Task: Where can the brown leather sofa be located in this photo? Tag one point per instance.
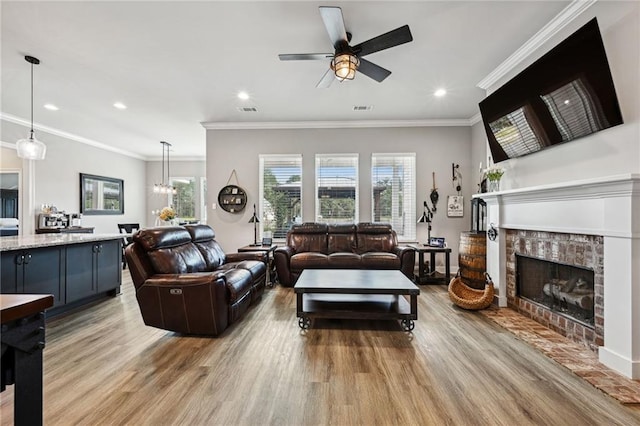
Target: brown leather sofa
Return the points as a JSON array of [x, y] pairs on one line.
[[186, 283], [341, 246]]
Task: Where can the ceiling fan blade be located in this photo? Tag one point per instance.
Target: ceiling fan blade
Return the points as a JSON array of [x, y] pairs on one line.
[[373, 71], [333, 21], [392, 38], [304, 56], [326, 79]]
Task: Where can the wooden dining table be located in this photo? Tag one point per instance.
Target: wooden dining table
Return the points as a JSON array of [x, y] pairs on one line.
[[22, 321]]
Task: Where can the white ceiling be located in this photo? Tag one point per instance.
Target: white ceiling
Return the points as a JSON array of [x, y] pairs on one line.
[[178, 64]]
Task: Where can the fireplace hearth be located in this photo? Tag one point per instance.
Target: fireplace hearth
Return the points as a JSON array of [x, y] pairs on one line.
[[590, 223], [564, 289]]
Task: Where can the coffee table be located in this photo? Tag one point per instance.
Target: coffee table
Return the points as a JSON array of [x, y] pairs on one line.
[[356, 294]]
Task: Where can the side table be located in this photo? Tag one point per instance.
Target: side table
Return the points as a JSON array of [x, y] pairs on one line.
[[428, 274], [271, 265]]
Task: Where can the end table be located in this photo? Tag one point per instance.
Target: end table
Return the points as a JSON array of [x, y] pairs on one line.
[[429, 275]]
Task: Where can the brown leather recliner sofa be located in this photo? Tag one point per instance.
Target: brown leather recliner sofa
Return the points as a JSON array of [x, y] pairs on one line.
[[186, 283], [341, 246]]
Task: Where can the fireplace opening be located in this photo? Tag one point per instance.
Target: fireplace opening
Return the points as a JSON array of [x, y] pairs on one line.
[[564, 289]]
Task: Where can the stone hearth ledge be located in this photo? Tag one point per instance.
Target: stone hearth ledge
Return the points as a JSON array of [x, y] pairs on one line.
[[606, 206]]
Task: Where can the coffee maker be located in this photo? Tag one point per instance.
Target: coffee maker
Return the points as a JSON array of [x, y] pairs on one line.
[[53, 221]]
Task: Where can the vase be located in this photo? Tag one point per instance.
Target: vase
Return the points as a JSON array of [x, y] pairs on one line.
[[171, 222], [494, 185]]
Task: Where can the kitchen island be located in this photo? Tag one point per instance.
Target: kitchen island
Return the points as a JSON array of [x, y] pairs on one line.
[[75, 268]]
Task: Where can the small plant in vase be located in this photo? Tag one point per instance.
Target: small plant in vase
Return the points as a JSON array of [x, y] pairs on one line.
[[167, 215], [494, 174]]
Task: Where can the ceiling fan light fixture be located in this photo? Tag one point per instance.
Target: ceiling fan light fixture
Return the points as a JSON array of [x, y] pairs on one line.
[[344, 65]]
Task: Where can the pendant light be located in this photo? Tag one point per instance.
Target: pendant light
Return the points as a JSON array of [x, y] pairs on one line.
[[31, 148], [165, 188]]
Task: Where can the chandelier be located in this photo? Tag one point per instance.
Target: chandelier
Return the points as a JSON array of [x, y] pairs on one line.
[[165, 188]]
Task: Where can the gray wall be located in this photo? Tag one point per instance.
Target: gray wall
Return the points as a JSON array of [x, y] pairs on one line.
[[435, 147], [610, 152], [57, 178]]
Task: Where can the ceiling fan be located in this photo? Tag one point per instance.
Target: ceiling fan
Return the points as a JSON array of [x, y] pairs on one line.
[[347, 59]]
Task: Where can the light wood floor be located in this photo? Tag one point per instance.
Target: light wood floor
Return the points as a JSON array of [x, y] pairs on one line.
[[103, 366]]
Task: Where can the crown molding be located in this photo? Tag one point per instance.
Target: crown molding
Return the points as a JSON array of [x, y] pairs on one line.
[[7, 145], [475, 119], [22, 122], [279, 125], [560, 21]]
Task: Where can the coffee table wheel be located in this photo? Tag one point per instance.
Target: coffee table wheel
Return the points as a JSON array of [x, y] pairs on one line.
[[408, 325], [304, 323]]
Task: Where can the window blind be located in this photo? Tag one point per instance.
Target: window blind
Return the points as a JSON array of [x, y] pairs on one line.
[[393, 184], [337, 188], [280, 193]]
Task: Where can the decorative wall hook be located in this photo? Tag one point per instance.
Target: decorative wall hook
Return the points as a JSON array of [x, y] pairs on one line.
[[492, 232]]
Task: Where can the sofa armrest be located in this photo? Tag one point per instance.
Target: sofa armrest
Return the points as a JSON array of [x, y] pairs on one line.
[[247, 255], [407, 257], [282, 258], [194, 303]]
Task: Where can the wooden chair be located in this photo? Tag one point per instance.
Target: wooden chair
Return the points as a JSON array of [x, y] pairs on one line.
[[129, 229]]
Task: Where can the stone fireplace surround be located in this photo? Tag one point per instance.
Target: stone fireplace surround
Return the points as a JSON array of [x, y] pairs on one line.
[[608, 208], [568, 249]]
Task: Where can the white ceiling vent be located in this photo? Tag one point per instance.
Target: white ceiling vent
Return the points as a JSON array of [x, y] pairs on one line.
[[248, 109], [362, 107]]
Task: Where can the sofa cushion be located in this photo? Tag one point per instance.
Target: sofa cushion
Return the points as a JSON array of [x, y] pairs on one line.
[[203, 237], [380, 260], [345, 261], [200, 233], [341, 238], [177, 260], [212, 253], [375, 237], [309, 260], [308, 237], [163, 237], [255, 267]]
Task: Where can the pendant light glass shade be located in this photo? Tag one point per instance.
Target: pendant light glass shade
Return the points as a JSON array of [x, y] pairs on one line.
[[31, 148]]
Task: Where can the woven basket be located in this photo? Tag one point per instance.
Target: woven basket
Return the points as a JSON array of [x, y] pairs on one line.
[[470, 298]]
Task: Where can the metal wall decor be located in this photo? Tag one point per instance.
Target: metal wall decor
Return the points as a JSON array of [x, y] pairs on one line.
[[232, 198]]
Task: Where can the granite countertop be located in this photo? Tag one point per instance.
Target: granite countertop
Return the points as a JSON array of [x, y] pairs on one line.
[[20, 242]]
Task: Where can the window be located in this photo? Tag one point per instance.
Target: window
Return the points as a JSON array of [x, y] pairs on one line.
[[280, 193], [393, 178], [184, 201], [337, 188]]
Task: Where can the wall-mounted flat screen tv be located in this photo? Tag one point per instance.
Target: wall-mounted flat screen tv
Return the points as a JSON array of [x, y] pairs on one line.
[[566, 94]]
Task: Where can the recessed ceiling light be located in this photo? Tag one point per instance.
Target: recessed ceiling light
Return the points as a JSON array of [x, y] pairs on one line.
[[440, 93], [120, 105], [243, 95], [51, 107]]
